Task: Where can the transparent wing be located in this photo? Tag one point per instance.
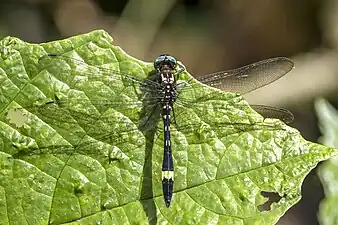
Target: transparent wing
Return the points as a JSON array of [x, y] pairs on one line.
[[274, 112], [85, 128], [99, 134], [250, 77], [120, 88], [75, 71]]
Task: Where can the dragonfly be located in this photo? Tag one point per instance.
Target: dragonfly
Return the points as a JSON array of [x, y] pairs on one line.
[[162, 92], [244, 79]]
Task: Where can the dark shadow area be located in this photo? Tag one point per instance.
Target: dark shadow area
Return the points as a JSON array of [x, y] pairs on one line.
[[149, 118], [272, 197]]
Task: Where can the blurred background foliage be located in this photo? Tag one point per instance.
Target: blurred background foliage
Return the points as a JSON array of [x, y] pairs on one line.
[[207, 36], [328, 171]]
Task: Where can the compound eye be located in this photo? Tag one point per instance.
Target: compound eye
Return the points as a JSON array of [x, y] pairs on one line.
[[172, 60], [159, 60]]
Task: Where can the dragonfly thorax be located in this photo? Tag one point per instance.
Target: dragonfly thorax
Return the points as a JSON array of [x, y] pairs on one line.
[[168, 86]]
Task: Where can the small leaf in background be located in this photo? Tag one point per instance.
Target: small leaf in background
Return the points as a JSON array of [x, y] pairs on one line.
[[328, 171], [96, 156]]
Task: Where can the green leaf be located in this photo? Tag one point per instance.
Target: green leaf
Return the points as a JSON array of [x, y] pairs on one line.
[[328, 171], [96, 157]]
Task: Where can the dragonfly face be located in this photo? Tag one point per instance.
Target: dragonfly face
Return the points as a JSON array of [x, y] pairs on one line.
[[165, 60]]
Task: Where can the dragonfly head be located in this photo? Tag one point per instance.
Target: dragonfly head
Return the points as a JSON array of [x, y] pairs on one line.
[[165, 60]]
